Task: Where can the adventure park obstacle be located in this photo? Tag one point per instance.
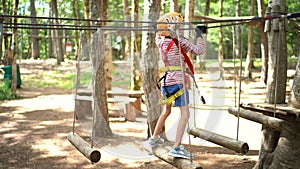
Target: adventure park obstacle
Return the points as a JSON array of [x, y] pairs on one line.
[[161, 152], [272, 122], [81, 145], [230, 143]]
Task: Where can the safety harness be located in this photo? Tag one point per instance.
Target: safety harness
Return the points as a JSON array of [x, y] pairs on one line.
[[170, 98]]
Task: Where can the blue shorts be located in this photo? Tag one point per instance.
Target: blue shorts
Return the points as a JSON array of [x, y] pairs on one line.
[[170, 90]]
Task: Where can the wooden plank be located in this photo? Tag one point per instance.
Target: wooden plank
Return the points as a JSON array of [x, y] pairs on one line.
[[280, 108], [272, 122], [230, 143], [82, 146], [161, 152]]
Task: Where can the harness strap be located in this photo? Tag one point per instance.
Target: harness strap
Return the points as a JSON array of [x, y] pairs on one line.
[[169, 68], [170, 99], [186, 58]]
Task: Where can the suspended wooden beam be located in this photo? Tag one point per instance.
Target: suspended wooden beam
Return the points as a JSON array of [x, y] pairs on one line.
[[161, 152], [272, 122], [82, 146], [230, 143]]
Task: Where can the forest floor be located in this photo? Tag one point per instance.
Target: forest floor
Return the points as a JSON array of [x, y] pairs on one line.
[[34, 128]]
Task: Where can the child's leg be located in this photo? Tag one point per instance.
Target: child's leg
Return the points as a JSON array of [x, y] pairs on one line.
[[185, 115], [161, 121]]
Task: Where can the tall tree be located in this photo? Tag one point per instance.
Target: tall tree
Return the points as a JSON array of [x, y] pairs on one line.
[[249, 62], [127, 45], [76, 15], [58, 34], [15, 51], [100, 52], [221, 53], [151, 73], [35, 47], [136, 78], [294, 99], [237, 33], [263, 43], [279, 149], [86, 9], [174, 6]]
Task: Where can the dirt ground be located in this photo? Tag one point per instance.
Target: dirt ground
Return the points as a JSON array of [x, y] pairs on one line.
[[34, 128]]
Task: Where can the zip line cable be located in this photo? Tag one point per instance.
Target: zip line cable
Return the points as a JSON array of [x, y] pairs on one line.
[[98, 22]]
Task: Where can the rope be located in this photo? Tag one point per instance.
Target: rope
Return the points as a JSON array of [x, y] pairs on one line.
[[240, 86]]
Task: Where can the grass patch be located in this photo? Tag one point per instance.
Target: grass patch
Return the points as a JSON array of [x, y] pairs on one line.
[[52, 79]]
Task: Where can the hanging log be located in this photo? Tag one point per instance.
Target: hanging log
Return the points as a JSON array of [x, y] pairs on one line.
[[230, 143], [272, 122], [82, 146], [162, 153]]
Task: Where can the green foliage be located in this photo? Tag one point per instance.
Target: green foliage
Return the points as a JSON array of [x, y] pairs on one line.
[[5, 91], [115, 12], [52, 79]]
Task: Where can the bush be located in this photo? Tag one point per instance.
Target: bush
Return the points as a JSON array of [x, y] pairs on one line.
[[5, 91]]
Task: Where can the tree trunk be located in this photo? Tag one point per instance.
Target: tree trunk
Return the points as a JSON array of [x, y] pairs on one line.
[[76, 15], [207, 8], [294, 99], [136, 79], [263, 43], [277, 69], [174, 6], [15, 51], [237, 49], [127, 34], [35, 48], [86, 9], [220, 55], [249, 62], [279, 149], [100, 109], [100, 10], [151, 73], [58, 41]]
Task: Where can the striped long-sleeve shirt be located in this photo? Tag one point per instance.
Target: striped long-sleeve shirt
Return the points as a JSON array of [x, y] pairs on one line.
[[173, 56]]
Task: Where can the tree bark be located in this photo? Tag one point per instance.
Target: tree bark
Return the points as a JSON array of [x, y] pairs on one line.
[[76, 15], [151, 73], [277, 66], [294, 99], [263, 43], [136, 79], [174, 6], [128, 39], [249, 62], [15, 51], [279, 149], [35, 48], [220, 55], [238, 41], [100, 109], [86, 9], [59, 51]]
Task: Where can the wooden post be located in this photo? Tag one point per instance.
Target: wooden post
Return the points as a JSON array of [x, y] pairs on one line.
[[230, 143], [272, 122], [90, 153], [162, 153]]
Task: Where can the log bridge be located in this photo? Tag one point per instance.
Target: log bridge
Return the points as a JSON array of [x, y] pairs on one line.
[[161, 152], [230, 143]]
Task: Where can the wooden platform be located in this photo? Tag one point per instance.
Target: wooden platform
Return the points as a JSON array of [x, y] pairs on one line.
[[282, 111]]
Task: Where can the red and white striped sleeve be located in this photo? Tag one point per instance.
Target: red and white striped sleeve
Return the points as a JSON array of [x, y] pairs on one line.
[[197, 49]]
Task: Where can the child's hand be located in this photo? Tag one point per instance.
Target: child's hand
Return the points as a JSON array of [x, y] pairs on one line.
[[200, 29]]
